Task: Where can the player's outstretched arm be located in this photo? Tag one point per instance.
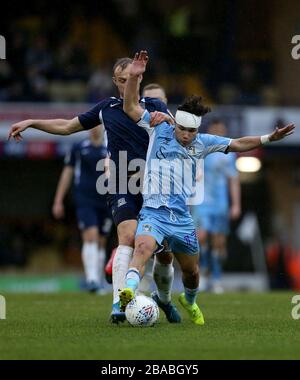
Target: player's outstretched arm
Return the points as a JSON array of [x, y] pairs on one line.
[[246, 143], [54, 126], [131, 94], [63, 187]]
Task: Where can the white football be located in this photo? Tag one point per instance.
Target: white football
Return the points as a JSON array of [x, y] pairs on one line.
[[142, 311]]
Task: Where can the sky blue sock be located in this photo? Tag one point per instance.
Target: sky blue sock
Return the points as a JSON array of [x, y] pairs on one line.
[[132, 279], [190, 295]]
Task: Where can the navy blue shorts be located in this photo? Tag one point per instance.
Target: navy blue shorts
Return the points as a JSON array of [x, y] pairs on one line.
[[91, 216], [124, 206]]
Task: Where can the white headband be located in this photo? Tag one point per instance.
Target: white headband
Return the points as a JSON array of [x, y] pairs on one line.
[[188, 120]]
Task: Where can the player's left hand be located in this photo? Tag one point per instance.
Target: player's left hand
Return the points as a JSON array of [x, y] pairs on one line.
[[139, 63], [281, 133], [159, 117]]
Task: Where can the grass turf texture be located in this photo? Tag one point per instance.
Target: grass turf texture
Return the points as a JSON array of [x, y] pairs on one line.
[[75, 326]]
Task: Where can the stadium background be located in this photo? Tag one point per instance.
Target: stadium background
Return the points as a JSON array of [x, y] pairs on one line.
[[58, 62]]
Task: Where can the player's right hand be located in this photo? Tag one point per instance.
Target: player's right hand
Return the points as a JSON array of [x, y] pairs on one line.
[[159, 117], [58, 210], [17, 128]]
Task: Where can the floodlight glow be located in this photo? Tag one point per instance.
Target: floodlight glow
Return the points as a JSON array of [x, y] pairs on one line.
[[248, 164]]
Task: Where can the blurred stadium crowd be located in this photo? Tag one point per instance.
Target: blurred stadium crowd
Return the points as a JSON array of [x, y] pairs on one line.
[[195, 47]]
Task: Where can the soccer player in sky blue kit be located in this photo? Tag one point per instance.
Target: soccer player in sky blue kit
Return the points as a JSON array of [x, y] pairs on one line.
[[92, 212], [221, 203], [123, 136], [165, 215]]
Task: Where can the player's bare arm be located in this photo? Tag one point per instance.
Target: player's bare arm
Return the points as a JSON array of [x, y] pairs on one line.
[[54, 126], [246, 143], [131, 94], [63, 186]]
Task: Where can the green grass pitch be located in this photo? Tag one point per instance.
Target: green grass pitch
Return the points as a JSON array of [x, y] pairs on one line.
[[75, 326]]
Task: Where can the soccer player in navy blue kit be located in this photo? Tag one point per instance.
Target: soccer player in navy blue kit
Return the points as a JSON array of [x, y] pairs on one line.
[[92, 212], [123, 135]]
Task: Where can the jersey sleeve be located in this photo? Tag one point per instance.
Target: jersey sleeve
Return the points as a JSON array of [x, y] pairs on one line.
[[161, 106], [144, 121], [91, 118], [213, 143], [70, 157], [231, 169], [154, 104]]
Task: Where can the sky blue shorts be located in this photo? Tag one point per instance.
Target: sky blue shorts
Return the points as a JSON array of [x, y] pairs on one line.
[[177, 229]]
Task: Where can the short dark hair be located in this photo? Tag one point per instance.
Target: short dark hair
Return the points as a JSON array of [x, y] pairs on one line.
[[193, 104], [153, 86], [122, 62]]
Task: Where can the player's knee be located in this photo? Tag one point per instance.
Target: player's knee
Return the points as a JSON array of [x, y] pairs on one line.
[[90, 235], [143, 248], [126, 238], [126, 233], [191, 272]]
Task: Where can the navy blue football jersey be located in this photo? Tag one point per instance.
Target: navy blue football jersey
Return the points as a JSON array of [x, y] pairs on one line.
[[83, 157], [123, 133]]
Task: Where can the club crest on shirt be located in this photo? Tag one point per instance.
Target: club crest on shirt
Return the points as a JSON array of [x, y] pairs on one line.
[[191, 150], [121, 202], [147, 227]]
